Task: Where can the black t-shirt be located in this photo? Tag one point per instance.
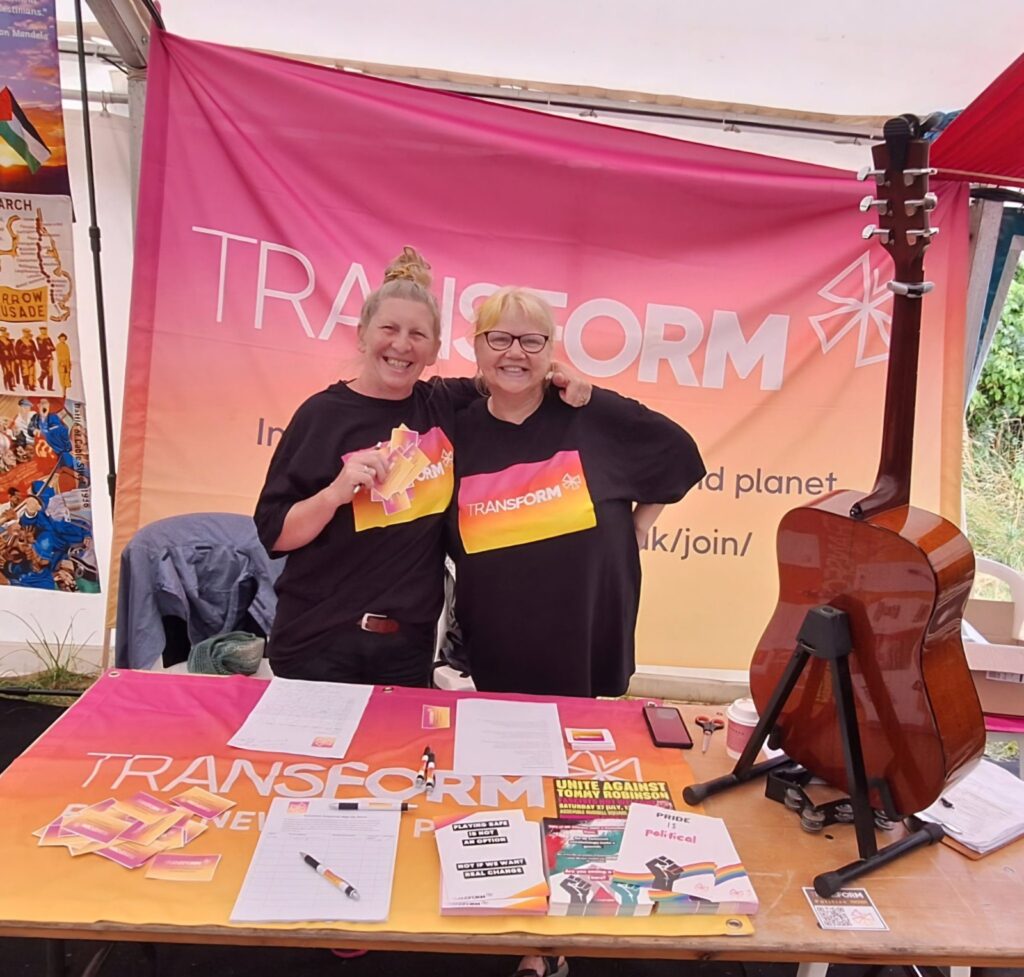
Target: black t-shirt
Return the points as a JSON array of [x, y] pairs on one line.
[[548, 568], [383, 553]]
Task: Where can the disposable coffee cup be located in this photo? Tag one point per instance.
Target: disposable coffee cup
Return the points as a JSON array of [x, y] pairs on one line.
[[740, 720]]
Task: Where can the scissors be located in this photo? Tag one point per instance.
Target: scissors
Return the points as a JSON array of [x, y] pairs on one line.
[[709, 724]]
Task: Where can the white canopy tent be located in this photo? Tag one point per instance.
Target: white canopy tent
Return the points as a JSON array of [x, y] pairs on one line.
[[736, 68], [801, 80], [873, 59]]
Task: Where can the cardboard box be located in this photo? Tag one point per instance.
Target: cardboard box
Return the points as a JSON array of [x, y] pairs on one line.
[[998, 667]]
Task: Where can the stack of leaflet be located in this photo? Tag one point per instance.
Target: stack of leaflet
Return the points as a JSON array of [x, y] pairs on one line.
[[579, 854], [687, 862], [141, 829], [491, 864], [981, 812]]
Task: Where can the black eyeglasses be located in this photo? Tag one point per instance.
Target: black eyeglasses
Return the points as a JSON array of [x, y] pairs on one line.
[[531, 342]]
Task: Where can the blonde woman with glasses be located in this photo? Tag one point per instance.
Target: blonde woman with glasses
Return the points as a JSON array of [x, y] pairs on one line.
[[551, 504]]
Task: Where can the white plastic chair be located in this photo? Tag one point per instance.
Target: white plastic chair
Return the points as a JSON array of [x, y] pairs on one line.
[[1014, 617], [1013, 580]]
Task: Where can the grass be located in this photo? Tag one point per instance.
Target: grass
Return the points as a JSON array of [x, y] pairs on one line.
[[993, 487], [78, 684], [60, 663]]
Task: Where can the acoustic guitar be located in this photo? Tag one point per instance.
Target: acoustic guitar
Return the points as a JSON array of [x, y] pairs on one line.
[[901, 575]]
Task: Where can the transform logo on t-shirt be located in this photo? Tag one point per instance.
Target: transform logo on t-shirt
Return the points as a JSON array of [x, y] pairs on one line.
[[525, 503], [419, 480]]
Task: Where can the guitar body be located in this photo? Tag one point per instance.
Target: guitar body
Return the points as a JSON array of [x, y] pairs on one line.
[[903, 577]]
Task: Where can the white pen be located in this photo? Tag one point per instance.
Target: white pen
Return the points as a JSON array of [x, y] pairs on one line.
[[332, 877], [424, 760], [373, 806]]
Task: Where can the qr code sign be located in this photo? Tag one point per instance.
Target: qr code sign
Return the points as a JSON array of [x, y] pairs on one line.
[[834, 917], [848, 909]]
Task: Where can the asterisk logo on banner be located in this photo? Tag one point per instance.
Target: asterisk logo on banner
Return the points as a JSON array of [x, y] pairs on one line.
[[571, 482], [860, 299], [594, 766]]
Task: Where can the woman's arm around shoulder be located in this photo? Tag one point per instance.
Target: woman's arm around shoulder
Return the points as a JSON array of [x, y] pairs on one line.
[[573, 387], [653, 459]]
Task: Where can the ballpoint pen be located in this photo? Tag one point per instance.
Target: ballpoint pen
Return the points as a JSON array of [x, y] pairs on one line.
[[371, 805], [424, 760], [431, 764], [332, 877]]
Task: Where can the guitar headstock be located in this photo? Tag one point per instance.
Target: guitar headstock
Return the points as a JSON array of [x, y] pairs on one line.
[[902, 199]]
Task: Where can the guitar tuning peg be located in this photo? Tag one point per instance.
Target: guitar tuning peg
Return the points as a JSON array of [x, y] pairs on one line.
[[912, 290], [927, 233], [865, 171], [909, 176], [868, 202], [929, 202], [872, 231]]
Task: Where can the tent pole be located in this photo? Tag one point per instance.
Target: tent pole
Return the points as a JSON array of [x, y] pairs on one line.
[[136, 117], [154, 12], [94, 242], [986, 218]]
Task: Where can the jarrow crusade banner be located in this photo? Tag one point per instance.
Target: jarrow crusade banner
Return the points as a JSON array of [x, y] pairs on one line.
[[730, 291], [45, 498]]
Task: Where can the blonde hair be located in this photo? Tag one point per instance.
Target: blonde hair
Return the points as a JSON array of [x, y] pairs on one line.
[[510, 300], [407, 277], [513, 300]]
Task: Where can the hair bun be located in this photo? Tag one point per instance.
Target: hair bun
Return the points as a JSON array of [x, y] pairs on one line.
[[411, 266]]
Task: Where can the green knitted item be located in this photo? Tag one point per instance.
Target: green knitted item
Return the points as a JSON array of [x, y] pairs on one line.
[[232, 653]]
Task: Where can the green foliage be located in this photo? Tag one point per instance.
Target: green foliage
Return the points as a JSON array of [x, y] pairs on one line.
[[1002, 751], [993, 489], [998, 403], [993, 470], [59, 656]]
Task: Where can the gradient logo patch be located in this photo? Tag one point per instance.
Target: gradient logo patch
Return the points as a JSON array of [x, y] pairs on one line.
[[525, 503], [436, 717], [419, 481]]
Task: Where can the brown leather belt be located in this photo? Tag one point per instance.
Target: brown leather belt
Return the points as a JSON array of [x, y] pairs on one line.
[[378, 623]]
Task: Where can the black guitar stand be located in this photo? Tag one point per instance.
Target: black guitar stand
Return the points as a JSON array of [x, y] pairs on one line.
[[825, 634]]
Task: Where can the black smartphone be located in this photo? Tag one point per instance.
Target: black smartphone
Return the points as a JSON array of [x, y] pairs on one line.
[[667, 726]]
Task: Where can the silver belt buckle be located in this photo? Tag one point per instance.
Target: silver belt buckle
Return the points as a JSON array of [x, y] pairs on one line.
[[366, 617]]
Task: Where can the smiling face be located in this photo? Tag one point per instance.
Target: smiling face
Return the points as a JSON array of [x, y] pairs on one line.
[[397, 344], [514, 372]]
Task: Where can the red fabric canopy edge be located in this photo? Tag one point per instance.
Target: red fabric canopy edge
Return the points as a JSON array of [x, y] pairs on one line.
[[984, 144]]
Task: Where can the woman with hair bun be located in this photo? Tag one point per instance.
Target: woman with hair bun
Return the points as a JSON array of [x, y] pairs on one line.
[[356, 494]]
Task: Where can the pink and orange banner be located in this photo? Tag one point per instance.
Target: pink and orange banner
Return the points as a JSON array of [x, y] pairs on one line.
[[731, 291], [146, 745]]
